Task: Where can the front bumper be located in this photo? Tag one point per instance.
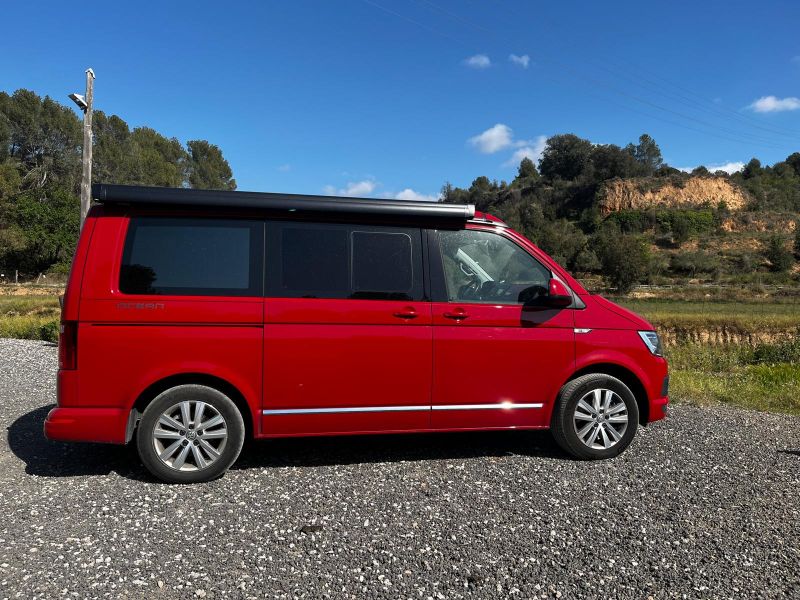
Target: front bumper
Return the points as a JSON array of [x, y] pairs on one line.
[[104, 425], [658, 408]]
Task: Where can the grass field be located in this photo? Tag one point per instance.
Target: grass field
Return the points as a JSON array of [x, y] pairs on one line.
[[768, 314], [758, 368], [762, 377], [762, 374], [31, 317]]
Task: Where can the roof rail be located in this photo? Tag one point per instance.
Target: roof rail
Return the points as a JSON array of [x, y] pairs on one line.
[[277, 203]]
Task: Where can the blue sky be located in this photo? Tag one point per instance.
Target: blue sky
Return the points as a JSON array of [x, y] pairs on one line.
[[394, 97]]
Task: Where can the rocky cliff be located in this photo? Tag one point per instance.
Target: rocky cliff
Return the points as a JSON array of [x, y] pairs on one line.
[[639, 194]]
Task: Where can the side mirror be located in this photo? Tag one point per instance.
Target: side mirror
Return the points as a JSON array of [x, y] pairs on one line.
[[559, 296]]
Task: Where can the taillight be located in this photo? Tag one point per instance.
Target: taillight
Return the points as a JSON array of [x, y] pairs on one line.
[[68, 345]]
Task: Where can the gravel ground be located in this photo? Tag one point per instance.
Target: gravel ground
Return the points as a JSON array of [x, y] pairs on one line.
[[704, 504]]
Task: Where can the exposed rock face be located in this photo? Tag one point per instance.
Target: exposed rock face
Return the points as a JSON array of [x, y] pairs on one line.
[[722, 335], [639, 194]]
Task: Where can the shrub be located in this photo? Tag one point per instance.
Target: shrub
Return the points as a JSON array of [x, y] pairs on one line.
[[624, 258], [49, 331], [783, 352], [779, 257], [692, 263]]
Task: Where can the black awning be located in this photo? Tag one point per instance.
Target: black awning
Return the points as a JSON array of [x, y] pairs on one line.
[[272, 202]]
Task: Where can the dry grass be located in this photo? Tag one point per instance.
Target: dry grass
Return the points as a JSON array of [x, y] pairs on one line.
[[29, 317]]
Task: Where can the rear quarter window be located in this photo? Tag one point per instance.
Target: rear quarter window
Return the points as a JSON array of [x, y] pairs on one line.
[[192, 257]]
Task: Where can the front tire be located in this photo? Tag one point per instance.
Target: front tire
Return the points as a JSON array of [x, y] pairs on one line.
[[595, 417], [190, 434]]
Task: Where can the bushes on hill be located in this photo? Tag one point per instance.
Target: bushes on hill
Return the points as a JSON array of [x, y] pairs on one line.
[[779, 257]]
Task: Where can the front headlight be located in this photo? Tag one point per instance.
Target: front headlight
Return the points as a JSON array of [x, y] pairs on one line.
[[652, 341]]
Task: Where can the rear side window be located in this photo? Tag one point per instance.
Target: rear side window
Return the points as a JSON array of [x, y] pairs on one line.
[[318, 260], [193, 257]]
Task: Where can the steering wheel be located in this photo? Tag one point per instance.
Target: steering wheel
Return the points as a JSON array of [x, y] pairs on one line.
[[471, 290]]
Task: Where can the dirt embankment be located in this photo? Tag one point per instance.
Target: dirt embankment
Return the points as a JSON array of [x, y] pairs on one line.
[[640, 194], [722, 335]]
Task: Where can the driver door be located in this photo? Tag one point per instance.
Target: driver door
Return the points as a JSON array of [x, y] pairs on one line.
[[499, 359]]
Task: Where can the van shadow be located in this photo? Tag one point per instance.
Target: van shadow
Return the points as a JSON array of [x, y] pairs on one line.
[[411, 447], [45, 458]]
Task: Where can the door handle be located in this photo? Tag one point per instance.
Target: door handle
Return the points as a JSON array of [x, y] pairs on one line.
[[406, 313], [457, 315]]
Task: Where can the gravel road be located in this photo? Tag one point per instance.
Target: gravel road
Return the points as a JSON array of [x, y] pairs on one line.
[[704, 504]]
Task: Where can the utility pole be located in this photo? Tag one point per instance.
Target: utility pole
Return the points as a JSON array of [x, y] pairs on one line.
[[85, 104]]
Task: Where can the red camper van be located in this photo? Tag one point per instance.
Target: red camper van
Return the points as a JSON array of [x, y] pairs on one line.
[[193, 319]]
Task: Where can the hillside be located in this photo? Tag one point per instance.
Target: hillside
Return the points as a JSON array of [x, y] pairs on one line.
[[621, 216], [617, 215]]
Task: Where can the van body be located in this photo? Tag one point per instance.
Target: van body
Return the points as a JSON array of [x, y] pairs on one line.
[[194, 319]]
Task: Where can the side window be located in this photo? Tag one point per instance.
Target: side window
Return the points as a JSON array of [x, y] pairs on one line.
[[313, 261], [323, 260], [383, 264], [192, 257], [480, 266]]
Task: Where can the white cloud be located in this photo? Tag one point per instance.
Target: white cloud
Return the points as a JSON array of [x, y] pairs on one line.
[[479, 61], [284, 168], [527, 149], [359, 188], [728, 167], [353, 188], [767, 104], [493, 139], [409, 194], [522, 61]]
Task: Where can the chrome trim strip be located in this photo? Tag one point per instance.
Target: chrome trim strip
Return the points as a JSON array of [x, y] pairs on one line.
[[362, 409], [500, 406], [346, 409], [581, 330]]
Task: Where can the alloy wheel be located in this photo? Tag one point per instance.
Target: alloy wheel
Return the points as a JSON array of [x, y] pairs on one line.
[[190, 436], [600, 419]]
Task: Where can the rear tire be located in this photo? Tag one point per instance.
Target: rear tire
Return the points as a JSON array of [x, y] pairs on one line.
[[190, 434], [595, 417]]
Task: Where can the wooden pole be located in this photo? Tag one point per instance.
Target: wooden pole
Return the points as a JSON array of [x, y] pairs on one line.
[[86, 179]]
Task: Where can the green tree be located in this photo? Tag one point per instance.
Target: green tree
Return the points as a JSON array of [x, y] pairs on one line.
[[647, 153], [157, 160], [44, 229], [563, 241], [794, 161], [112, 159], [565, 157], [208, 169], [681, 228], [527, 171], [779, 257], [752, 169], [43, 137], [10, 181], [40, 149], [797, 239], [624, 258], [611, 161]]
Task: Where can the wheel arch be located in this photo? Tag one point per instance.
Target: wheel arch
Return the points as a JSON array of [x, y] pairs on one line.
[[217, 383], [626, 376]]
